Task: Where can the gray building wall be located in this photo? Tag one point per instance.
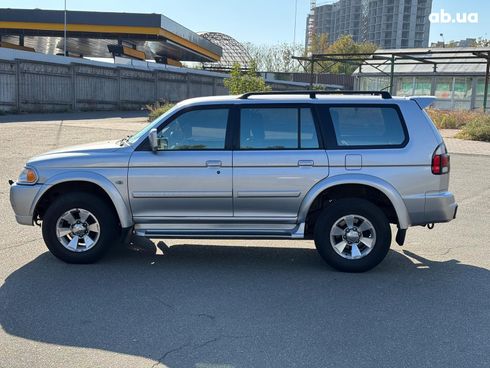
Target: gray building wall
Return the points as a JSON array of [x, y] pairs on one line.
[[31, 82], [35, 86], [387, 23]]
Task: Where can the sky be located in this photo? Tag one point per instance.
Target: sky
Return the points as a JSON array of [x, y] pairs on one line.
[[261, 21]]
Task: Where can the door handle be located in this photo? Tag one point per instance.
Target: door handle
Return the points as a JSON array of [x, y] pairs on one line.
[[214, 163], [306, 163]]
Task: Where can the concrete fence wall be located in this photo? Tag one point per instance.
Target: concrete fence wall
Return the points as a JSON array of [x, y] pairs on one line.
[[36, 85]]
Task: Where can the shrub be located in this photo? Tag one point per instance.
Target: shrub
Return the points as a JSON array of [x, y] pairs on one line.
[[474, 125], [248, 81], [476, 130], [452, 119], [157, 109]]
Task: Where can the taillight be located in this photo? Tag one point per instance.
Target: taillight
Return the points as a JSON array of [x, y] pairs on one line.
[[440, 161]]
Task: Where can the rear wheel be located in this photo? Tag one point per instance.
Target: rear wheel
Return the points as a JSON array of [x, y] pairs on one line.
[[352, 235], [79, 228]]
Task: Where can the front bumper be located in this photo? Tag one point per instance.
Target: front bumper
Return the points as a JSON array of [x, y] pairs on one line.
[[22, 199], [440, 207]]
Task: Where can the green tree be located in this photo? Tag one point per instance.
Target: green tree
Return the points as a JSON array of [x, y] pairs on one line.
[[275, 58], [346, 45], [481, 42], [243, 82], [318, 44]]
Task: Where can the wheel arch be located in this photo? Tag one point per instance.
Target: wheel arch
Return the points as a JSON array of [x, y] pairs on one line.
[[344, 181], [73, 181]]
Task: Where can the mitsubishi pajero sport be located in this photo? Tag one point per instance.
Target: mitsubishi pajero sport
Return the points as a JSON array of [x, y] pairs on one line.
[[336, 167]]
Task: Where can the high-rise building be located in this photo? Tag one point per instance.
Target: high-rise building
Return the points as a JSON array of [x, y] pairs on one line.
[[391, 24]]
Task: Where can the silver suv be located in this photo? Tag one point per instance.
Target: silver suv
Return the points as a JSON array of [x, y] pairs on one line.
[[338, 168]]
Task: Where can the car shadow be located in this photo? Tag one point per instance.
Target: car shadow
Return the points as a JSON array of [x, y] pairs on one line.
[[230, 306]]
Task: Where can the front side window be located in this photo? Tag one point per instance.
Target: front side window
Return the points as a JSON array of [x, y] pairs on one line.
[[195, 130], [367, 126], [277, 128], [154, 124]]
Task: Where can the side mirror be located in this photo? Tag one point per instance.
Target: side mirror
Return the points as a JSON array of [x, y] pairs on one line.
[[153, 137]]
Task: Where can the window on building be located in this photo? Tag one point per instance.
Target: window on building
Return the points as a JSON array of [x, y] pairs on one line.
[[444, 87], [423, 86], [404, 86]]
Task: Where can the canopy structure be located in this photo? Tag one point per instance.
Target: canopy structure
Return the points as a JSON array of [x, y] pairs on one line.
[[233, 52], [102, 34], [390, 62]]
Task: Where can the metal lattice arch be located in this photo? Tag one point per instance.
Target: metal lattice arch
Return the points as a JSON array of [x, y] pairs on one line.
[[233, 52]]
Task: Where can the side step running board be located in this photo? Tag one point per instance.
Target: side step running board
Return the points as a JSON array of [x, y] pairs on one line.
[[297, 233]]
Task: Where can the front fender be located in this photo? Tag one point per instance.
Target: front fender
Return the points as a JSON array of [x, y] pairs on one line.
[[124, 213], [362, 179]]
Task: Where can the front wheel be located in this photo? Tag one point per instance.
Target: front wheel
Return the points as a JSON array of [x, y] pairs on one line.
[[79, 228], [352, 235]]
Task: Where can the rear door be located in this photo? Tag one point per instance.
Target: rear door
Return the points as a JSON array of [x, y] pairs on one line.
[[278, 157]]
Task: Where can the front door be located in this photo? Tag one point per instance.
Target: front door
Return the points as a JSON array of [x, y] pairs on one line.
[[276, 162], [191, 173]]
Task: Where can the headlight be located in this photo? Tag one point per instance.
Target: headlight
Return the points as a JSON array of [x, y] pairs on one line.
[[28, 176]]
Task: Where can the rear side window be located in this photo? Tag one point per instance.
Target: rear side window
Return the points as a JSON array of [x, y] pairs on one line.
[[277, 128], [367, 126]]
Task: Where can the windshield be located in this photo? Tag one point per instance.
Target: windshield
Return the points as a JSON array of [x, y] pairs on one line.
[[152, 125]]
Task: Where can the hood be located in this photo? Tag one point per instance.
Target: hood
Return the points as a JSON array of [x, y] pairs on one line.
[[99, 154], [97, 147]]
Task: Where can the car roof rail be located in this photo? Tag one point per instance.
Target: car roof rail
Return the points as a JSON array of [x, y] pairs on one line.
[[313, 93]]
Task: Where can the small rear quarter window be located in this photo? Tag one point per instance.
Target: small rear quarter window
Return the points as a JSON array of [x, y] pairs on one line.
[[367, 126]]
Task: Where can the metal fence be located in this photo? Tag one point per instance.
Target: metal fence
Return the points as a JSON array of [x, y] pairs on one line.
[[331, 81], [36, 85]]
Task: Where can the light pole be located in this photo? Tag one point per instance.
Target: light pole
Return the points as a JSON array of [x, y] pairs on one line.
[[295, 19], [443, 42], [64, 33]]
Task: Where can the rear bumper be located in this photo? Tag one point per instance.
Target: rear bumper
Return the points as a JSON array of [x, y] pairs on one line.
[[440, 207]]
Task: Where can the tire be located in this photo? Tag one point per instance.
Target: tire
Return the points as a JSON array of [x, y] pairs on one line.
[[100, 227], [345, 247]]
